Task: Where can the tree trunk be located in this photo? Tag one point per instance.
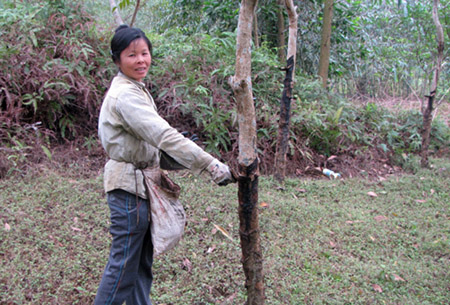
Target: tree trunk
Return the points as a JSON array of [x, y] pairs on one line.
[[255, 26], [285, 104], [280, 25], [427, 112], [136, 8], [248, 172], [115, 11], [324, 60]]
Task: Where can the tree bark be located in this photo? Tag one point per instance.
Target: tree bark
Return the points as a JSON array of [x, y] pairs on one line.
[[115, 11], [324, 59], [255, 26], [427, 112], [280, 26], [248, 172], [285, 104]]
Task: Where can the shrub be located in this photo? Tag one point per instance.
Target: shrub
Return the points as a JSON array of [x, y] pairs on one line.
[[52, 68], [53, 74]]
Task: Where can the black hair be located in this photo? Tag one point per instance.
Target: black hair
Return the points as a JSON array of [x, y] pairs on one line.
[[123, 37]]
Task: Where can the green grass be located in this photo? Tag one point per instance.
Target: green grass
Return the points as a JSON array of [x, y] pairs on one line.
[[324, 241]]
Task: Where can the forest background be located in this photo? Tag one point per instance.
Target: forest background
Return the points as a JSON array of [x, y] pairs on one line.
[[55, 68]]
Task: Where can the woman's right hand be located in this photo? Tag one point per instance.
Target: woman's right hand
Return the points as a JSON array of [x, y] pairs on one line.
[[220, 173]]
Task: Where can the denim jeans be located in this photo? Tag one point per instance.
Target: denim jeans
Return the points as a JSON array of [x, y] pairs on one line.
[[128, 273]]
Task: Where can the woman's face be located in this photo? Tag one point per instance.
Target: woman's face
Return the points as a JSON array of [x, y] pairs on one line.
[[135, 60]]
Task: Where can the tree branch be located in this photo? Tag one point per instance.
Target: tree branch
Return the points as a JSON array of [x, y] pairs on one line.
[[135, 12]]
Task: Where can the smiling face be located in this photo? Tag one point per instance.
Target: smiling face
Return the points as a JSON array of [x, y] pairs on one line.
[[135, 60]]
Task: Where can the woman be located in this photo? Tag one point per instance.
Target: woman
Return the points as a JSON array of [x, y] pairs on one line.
[[134, 136]]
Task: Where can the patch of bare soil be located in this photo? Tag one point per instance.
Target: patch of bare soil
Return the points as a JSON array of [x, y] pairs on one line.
[[398, 104]]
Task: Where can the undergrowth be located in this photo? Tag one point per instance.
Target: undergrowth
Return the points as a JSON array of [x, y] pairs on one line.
[[55, 68]]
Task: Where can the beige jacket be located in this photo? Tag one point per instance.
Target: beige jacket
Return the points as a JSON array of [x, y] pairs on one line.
[[133, 135]]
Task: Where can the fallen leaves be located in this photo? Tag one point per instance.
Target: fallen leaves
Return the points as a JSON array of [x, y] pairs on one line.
[[380, 218], [377, 288], [353, 221], [398, 278], [263, 205], [372, 194], [224, 232], [7, 227], [187, 265]]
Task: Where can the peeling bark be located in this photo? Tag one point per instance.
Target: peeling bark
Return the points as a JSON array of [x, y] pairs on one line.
[[285, 104], [249, 232], [283, 128], [248, 173]]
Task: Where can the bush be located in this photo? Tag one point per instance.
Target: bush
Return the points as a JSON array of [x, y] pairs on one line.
[[53, 67], [53, 73]]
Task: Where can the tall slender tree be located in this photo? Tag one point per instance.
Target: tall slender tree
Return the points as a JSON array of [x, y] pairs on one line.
[[324, 59], [428, 108], [248, 171], [285, 103], [280, 27]]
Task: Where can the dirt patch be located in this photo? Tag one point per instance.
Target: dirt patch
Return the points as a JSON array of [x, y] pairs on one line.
[[397, 104]]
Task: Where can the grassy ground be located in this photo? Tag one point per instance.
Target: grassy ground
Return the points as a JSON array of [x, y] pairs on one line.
[[324, 241]]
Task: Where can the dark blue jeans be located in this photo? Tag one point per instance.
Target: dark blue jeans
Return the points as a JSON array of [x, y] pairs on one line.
[[128, 273]]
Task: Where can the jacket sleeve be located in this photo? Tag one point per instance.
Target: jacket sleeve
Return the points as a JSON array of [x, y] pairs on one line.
[[141, 119]]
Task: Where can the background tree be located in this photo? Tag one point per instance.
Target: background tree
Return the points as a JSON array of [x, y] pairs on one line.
[[427, 112], [324, 59], [248, 172], [285, 103], [123, 4], [281, 28], [115, 11]]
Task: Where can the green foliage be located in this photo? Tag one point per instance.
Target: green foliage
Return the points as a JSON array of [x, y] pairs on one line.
[[53, 66], [190, 75], [194, 16], [396, 49]]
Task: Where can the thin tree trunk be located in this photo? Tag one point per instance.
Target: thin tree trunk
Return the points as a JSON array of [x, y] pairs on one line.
[[427, 112], [324, 59], [285, 104], [115, 11], [280, 25], [255, 26], [248, 172], [136, 8]]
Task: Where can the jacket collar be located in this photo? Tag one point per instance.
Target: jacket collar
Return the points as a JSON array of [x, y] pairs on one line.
[[140, 84]]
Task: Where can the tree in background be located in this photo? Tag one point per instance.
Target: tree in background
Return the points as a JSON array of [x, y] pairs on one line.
[[324, 59], [285, 103], [115, 11], [123, 4], [248, 172], [280, 26], [428, 110]]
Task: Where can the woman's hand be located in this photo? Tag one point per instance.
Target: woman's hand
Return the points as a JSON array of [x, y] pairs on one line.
[[220, 173]]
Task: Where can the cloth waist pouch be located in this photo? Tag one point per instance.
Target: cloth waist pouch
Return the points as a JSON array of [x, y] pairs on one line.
[[168, 217]]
